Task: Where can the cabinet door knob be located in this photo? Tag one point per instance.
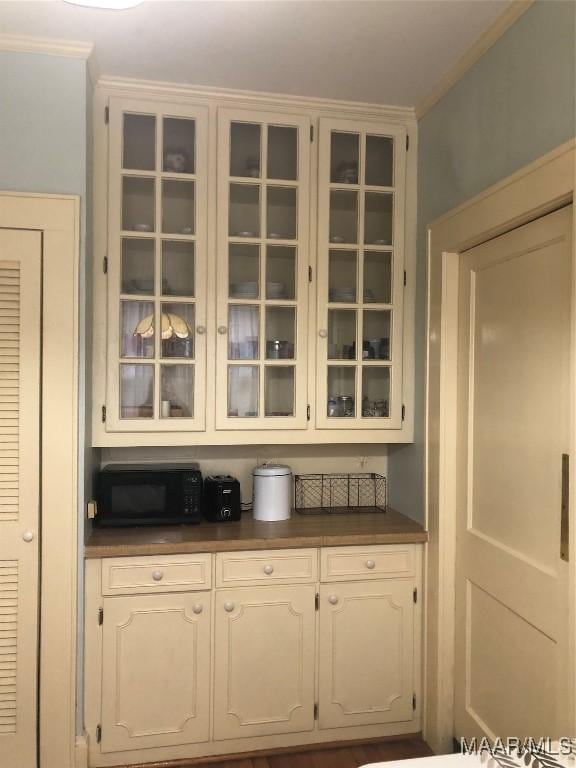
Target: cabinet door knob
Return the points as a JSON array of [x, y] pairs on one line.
[[157, 575], [197, 608], [333, 599], [370, 564], [28, 536], [323, 333], [228, 607], [201, 329], [268, 569], [222, 329]]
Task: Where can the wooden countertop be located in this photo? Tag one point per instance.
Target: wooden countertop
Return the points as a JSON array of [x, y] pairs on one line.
[[326, 530]]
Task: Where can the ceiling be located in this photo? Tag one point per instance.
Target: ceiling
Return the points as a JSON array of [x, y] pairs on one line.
[[381, 51]]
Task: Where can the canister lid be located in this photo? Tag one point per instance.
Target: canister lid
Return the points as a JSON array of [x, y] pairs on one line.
[[271, 470]]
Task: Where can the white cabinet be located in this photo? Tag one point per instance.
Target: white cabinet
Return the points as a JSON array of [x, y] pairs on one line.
[[250, 650], [156, 670], [262, 280], [264, 661], [362, 171], [366, 658], [254, 271], [156, 267]]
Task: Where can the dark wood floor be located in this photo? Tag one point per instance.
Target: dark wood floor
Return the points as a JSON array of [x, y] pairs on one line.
[[341, 757]]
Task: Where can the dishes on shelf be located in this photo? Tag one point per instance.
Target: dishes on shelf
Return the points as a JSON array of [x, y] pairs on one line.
[[138, 285], [186, 231], [369, 297], [337, 239], [346, 295], [176, 160], [275, 290], [244, 233], [347, 172], [247, 289], [142, 227]]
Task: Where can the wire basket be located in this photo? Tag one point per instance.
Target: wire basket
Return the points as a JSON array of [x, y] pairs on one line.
[[360, 492]]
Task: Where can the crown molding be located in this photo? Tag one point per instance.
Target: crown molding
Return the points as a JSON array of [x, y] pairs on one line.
[[486, 40], [157, 89], [72, 49]]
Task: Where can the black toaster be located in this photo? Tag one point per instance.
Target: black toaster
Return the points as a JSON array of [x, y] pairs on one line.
[[221, 498]]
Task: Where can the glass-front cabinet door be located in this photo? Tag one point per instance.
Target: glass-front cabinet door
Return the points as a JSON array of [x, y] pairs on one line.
[[156, 374], [360, 275], [262, 270]]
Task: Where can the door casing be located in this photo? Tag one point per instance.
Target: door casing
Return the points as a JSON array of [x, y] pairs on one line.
[[57, 217], [537, 189]]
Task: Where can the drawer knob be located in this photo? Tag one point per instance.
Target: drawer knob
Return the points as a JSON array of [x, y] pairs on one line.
[[323, 333], [222, 330], [268, 569], [333, 599], [228, 607], [28, 536], [201, 329], [370, 564], [197, 608], [157, 575]]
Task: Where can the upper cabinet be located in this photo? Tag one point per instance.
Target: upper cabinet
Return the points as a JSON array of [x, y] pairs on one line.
[[250, 272], [157, 259], [262, 270], [362, 172]]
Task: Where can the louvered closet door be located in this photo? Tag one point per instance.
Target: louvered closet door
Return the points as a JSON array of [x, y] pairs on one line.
[[20, 270]]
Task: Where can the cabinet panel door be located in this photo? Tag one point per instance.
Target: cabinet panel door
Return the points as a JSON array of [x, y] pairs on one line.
[[262, 270], [366, 653], [157, 267], [361, 188], [156, 671], [264, 666]]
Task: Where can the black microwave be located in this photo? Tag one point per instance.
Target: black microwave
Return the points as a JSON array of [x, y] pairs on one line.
[[140, 494]]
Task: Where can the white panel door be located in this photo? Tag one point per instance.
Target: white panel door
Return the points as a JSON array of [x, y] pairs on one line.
[[156, 670], [20, 312], [264, 661], [366, 653], [513, 428]]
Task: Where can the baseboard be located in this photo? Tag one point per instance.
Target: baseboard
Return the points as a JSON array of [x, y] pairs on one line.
[[81, 752]]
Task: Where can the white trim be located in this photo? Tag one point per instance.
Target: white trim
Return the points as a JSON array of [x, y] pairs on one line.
[[532, 191], [81, 751], [285, 102], [58, 217], [475, 52], [73, 49]]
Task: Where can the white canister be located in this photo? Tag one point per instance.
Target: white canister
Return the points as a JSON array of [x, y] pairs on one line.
[[272, 492]]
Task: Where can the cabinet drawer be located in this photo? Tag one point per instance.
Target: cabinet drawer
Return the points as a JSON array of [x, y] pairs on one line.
[[176, 573], [352, 563], [286, 566]]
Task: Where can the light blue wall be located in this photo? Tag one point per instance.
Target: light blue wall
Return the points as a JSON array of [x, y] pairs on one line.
[[514, 105], [42, 123], [45, 103]]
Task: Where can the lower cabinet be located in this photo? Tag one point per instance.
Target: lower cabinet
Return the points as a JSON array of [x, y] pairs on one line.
[[264, 662], [200, 655], [156, 671], [366, 653]]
